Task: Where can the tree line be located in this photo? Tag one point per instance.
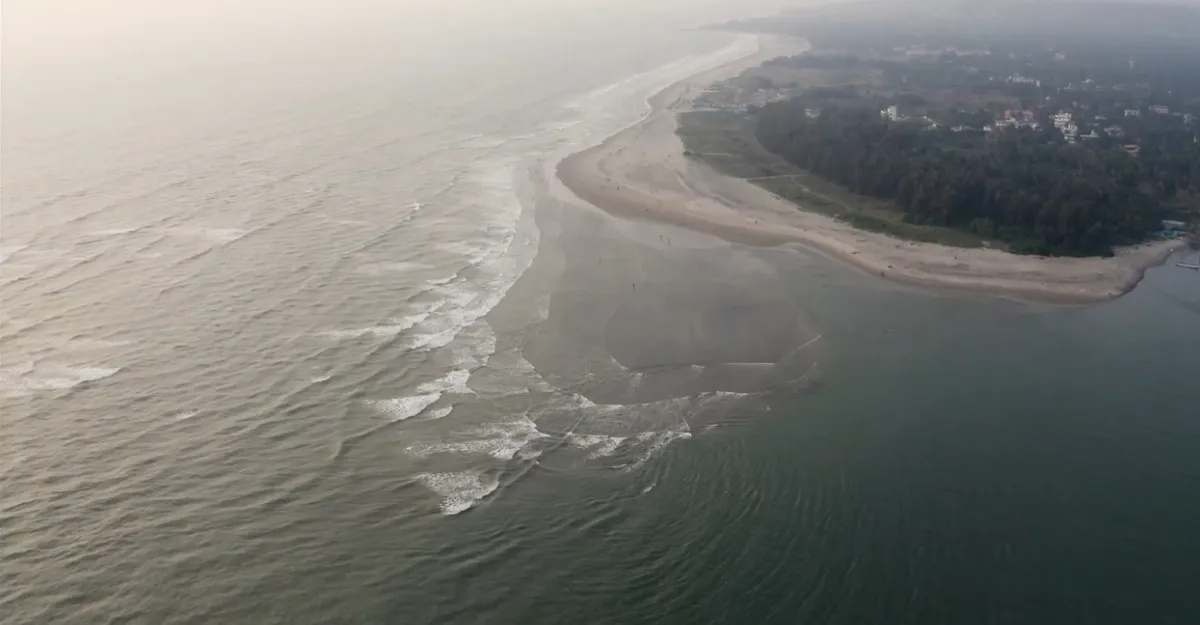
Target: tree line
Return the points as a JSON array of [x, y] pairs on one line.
[[1028, 188]]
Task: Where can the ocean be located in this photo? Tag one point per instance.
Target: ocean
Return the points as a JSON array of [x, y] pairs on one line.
[[309, 333]]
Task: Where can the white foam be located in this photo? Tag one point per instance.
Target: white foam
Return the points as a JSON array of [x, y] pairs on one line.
[[402, 408], [50, 378], [458, 311], [502, 441], [440, 412], [655, 442], [600, 102], [494, 252], [453, 382], [216, 235], [447, 326], [379, 269], [111, 232], [600, 444], [460, 490], [659, 440], [472, 346], [381, 331]]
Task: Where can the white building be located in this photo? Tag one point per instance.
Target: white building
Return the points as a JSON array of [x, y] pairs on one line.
[[1160, 109], [1061, 120], [1132, 113], [1018, 79]]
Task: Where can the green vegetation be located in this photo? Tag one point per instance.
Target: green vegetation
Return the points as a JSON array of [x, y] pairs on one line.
[[726, 142], [817, 195], [1040, 195], [1066, 128]]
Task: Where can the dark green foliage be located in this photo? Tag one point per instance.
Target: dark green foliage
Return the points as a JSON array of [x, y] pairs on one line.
[[1024, 187]]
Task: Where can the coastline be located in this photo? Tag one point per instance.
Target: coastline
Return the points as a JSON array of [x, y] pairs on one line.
[[642, 173]]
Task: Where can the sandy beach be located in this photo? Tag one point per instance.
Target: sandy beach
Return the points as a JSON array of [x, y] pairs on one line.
[[641, 173]]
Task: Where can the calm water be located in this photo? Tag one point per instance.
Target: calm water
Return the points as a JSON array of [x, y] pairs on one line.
[[307, 334]]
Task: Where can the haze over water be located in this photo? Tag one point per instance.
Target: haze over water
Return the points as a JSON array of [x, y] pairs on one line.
[[298, 327]]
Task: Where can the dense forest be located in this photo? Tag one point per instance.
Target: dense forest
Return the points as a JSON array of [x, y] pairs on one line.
[[1026, 187]]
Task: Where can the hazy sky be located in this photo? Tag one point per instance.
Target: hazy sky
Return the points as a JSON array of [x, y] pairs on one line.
[[43, 35], [54, 28], [46, 24]]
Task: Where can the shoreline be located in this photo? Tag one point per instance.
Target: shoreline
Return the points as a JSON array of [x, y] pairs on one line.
[[641, 173]]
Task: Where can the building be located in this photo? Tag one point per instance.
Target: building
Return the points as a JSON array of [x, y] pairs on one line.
[[1114, 131], [891, 113], [1160, 109], [1132, 149], [1062, 121], [1132, 113]]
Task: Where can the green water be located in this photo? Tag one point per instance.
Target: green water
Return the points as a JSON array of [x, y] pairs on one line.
[[965, 461]]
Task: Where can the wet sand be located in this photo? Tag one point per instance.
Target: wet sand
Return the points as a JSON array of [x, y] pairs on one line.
[[635, 316], [641, 173]]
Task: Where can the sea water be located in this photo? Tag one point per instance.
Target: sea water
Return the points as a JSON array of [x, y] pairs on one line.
[[248, 369]]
